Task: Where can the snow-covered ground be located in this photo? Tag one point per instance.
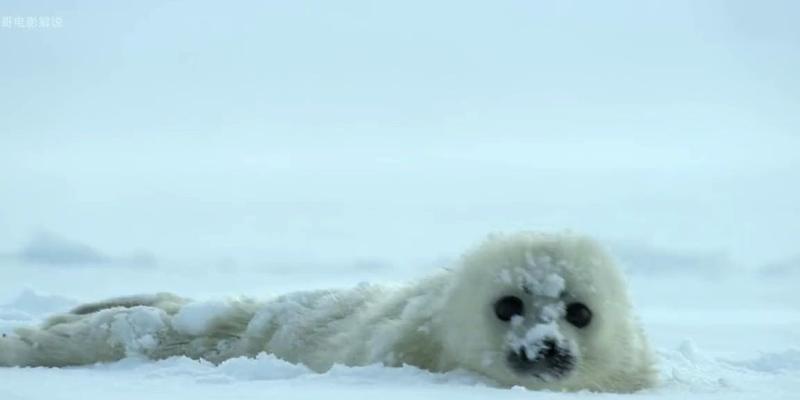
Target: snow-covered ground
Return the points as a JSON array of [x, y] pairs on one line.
[[720, 336], [264, 147]]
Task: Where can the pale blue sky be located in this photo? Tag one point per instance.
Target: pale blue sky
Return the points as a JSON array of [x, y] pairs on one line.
[[361, 129]]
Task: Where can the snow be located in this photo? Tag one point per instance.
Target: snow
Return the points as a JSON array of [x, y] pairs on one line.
[[736, 337], [195, 318], [539, 278], [136, 329]]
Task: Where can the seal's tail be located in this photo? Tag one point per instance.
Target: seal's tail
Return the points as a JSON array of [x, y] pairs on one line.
[[114, 329]]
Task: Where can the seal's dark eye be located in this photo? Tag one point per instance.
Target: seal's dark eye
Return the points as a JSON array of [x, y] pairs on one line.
[[507, 307], [579, 315]]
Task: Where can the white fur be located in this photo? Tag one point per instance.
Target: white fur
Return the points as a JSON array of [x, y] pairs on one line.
[[441, 323]]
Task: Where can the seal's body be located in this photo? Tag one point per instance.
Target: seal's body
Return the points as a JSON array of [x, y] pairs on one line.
[[536, 310]]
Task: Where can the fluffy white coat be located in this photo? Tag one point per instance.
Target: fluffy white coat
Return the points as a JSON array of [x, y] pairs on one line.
[[445, 322]]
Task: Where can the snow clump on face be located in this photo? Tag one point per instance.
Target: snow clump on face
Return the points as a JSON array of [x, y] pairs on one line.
[[541, 279]]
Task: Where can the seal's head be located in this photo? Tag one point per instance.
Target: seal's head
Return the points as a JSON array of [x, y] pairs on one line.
[[545, 312]]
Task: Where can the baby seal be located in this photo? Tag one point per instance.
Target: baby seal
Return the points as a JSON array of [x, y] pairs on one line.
[[543, 311]]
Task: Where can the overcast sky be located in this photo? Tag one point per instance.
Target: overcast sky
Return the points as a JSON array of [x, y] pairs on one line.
[[334, 131]]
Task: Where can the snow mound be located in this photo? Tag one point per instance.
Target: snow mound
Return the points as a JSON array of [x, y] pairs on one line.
[[49, 248], [788, 268], [266, 367], [788, 360], [30, 303], [689, 370], [54, 250], [263, 367]]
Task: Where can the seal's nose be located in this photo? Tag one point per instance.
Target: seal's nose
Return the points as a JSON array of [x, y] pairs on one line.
[[549, 349], [550, 359]]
